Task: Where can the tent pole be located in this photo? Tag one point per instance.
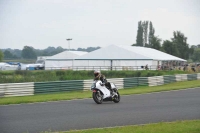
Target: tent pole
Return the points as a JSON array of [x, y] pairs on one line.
[[111, 63]]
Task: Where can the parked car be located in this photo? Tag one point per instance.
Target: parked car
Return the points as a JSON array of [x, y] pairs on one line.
[[36, 66]]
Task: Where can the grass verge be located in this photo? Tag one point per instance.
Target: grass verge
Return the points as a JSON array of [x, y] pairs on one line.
[[167, 87], [189, 126], [63, 75], [88, 94]]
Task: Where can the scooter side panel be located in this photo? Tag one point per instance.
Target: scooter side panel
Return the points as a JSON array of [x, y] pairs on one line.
[[104, 90]]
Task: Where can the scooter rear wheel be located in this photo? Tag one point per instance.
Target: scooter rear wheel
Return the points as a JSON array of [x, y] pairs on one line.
[[116, 98]]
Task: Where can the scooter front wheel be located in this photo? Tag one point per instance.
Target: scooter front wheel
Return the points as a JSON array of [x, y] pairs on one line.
[[98, 98]]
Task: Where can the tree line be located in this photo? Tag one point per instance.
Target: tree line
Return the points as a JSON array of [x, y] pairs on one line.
[[146, 37], [176, 46], [28, 52]]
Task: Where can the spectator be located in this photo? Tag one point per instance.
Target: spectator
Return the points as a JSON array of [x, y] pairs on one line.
[[159, 67], [146, 67], [193, 68]]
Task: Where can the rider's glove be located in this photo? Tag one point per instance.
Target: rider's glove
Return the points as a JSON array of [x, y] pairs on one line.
[[102, 84]]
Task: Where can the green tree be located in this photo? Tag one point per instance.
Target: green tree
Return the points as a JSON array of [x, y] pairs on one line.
[[194, 46], [191, 52], [90, 49], [170, 48], [156, 43], [139, 38], [8, 54], [145, 32], [143, 37], [28, 53], [1, 55], [151, 33], [196, 55], [180, 41], [59, 49], [134, 44]]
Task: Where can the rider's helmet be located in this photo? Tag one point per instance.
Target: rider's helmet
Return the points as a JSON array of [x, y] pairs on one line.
[[96, 73]]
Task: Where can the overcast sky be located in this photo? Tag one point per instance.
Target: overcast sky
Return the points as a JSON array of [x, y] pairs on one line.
[[92, 23]]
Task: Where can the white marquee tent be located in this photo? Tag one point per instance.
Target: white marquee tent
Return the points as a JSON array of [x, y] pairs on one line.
[[125, 57], [63, 60]]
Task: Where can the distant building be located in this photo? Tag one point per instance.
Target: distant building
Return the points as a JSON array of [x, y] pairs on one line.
[[63, 60], [124, 57], [113, 57]]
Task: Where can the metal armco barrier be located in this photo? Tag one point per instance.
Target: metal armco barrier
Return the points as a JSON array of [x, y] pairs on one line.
[[119, 82], [198, 76], [156, 80], [87, 84], [192, 76], [31, 88], [169, 79], [130, 82], [143, 81], [135, 81], [16, 89], [57, 86], [183, 77]]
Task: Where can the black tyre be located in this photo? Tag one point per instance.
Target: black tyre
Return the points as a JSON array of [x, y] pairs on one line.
[[98, 98], [116, 98]]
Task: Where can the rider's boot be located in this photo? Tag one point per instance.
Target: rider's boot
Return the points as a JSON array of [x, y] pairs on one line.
[[111, 92]]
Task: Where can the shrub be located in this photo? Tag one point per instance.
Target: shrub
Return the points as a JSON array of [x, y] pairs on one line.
[[60, 73], [56, 75]]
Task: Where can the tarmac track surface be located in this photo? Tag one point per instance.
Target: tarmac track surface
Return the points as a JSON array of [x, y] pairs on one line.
[[85, 114]]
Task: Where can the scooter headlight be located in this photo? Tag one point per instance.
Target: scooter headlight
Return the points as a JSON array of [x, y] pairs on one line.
[[93, 86]]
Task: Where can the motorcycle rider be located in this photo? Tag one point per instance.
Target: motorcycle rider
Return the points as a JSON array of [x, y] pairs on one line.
[[99, 76]]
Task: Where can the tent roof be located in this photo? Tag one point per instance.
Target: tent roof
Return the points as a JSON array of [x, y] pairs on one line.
[[152, 53], [119, 52], [112, 52], [67, 55]]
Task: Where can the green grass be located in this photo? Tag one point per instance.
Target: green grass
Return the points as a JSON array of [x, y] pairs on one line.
[[88, 94], [46, 97], [62, 75], [167, 87], [189, 126]]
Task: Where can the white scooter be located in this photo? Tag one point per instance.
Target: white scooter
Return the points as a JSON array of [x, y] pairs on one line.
[[101, 93]]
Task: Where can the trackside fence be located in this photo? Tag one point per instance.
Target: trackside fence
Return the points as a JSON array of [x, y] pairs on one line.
[[58, 86], [32, 88], [16, 89]]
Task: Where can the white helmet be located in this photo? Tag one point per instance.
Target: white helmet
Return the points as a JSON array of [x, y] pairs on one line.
[[97, 71]]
